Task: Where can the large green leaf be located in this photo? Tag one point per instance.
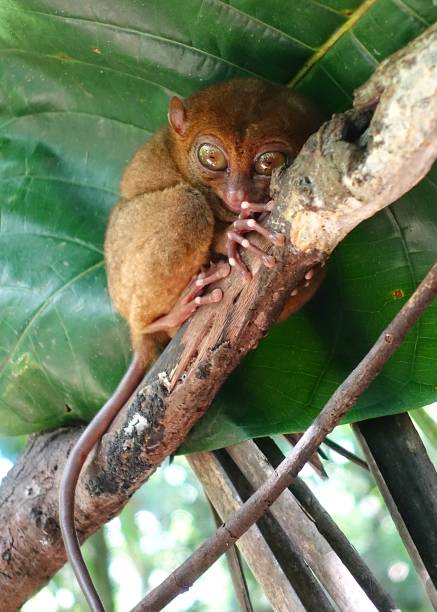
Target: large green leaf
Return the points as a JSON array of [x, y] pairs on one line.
[[82, 85]]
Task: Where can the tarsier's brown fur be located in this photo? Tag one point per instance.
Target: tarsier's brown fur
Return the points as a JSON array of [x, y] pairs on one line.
[[174, 217], [171, 217]]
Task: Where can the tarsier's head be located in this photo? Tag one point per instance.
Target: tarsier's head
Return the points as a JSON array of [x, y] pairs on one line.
[[230, 137]]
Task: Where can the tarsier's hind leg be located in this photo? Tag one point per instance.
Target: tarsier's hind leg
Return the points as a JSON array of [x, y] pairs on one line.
[[191, 299], [162, 240]]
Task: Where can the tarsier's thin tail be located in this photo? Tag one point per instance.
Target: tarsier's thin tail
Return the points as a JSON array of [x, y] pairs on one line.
[[76, 460], [147, 347]]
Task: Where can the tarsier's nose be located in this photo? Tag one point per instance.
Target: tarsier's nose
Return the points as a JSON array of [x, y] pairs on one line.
[[235, 197]]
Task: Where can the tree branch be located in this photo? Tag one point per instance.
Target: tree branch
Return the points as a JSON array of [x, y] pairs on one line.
[[341, 401], [346, 172], [331, 532], [256, 551], [301, 529]]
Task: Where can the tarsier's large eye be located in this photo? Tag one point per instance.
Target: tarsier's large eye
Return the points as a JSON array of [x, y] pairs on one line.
[[212, 157], [267, 162]]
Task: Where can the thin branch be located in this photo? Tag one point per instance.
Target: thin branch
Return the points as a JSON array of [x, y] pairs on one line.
[[339, 404], [345, 453], [236, 570], [332, 533], [303, 533], [260, 558], [315, 461]]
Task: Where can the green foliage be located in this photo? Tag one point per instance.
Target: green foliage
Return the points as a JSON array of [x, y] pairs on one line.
[[82, 85]]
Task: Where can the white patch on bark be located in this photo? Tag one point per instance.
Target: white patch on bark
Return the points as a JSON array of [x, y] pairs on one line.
[[137, 424]]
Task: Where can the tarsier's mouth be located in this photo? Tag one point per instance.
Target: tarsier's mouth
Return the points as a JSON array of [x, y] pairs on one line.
[[232, 207]]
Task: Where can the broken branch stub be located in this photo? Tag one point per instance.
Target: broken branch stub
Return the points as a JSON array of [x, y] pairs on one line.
[[351, 169]]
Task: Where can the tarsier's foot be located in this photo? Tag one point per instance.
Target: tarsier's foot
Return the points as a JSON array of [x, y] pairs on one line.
[[207, 276], [242, 226], [191, 298], [304, 292], [306, 283]]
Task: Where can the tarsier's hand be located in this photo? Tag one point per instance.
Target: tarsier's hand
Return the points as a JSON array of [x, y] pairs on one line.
[[247, 223]]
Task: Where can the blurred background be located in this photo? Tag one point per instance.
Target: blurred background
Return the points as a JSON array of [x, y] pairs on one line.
[[170, 516]]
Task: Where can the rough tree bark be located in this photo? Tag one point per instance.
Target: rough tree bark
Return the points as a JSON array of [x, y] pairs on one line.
[[346, 173]]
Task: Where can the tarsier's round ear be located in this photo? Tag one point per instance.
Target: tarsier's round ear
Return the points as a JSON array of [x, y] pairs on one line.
[[177, 115]]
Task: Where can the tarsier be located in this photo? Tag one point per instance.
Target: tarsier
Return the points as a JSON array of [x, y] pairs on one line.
[[189, 199]]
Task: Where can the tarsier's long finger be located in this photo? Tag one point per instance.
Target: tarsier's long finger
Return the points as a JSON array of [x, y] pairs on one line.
[[191, 292], [206, 277], [235, 260], [216, 273], [268, 260], [249, 207], [191, 300], [210, 298], [250, 225]]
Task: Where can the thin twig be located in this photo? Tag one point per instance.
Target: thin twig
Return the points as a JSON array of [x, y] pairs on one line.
[[236, 571], [303, 534], [331, 532], [345, 453], [338, 405]]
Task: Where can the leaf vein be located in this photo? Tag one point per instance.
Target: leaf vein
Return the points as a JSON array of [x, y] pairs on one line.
[[42, 308], [71, 112], [59, 237], [395, 223], [57, 179], [161, 39]]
